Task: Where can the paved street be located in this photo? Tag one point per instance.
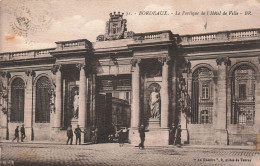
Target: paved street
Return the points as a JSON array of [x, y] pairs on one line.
[[112, 154]]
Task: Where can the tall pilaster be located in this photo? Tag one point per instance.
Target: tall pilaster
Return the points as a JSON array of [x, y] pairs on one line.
[[135, 116], [221, 132], [165, 93], [58, 99], [82, 97], [4, 106], [257, 108], [28, 104]]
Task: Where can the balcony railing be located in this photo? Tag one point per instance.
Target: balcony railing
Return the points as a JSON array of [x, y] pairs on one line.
[[226, 36], [25, 54], [73, 44], [153, 36]]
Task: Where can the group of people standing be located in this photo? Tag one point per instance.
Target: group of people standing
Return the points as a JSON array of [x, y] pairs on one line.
[[78, 132], [175, 135], [16, 133]]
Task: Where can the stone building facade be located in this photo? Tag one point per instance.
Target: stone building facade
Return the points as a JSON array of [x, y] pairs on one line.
[[207, 83]]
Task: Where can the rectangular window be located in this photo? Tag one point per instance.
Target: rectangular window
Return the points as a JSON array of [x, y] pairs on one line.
[[242, 91], [205, 91], [204, 116]]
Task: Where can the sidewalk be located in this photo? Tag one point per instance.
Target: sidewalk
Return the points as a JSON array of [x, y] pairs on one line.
[[168, 146]]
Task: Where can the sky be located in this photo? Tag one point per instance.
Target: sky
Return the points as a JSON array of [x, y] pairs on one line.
[[38, 24]]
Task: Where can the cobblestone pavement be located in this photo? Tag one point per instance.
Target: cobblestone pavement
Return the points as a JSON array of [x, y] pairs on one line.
[[112, 154]]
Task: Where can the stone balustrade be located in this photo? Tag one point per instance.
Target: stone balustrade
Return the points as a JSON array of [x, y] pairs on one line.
[[153, 36], [73, 44], [26, 54], [225, 36]]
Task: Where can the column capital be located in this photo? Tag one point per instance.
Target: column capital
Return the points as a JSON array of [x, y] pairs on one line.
[[163, 60], [81, 66], [225, 60], [30, 73], [135, 61], [55, 68], [5, 74]]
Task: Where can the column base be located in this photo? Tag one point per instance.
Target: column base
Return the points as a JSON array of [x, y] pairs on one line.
[[153, 137], [157, 137], [134, 138], [221, 137], [29, 134], [4, 133], [184, 136], [154, 123]]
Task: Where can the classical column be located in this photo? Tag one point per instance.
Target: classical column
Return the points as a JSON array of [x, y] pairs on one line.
[[165, 93], [58, 99], [135, 116], [257, 108], [5, 106], [28, 104], [221, 137], [82, 97]]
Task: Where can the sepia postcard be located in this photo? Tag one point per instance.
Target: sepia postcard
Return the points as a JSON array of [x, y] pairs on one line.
[[127, 82]]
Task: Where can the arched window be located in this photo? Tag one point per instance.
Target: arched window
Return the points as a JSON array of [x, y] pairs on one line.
[[201, 96], [43, 87], [17, 100], [243, 95]]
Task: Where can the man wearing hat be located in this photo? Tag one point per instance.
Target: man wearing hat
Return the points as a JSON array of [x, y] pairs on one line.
[[142, 136], [22, 133], [16, 134], [78, 134]]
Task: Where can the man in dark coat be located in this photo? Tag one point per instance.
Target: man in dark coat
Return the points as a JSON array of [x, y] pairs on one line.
[[16, 134], [178, 136], [70, 134], [142, 136], [78, 134], [22, 133]]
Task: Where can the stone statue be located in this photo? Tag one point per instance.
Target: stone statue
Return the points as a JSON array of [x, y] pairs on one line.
[[155, 104], [76, 104]]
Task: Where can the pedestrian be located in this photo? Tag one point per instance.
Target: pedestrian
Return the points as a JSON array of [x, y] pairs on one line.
[[16, 134], [96, 136], [70, 135], [142, 136], [78, 134], [172, 134], [22, 133], [178, 136], [121, 137]]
